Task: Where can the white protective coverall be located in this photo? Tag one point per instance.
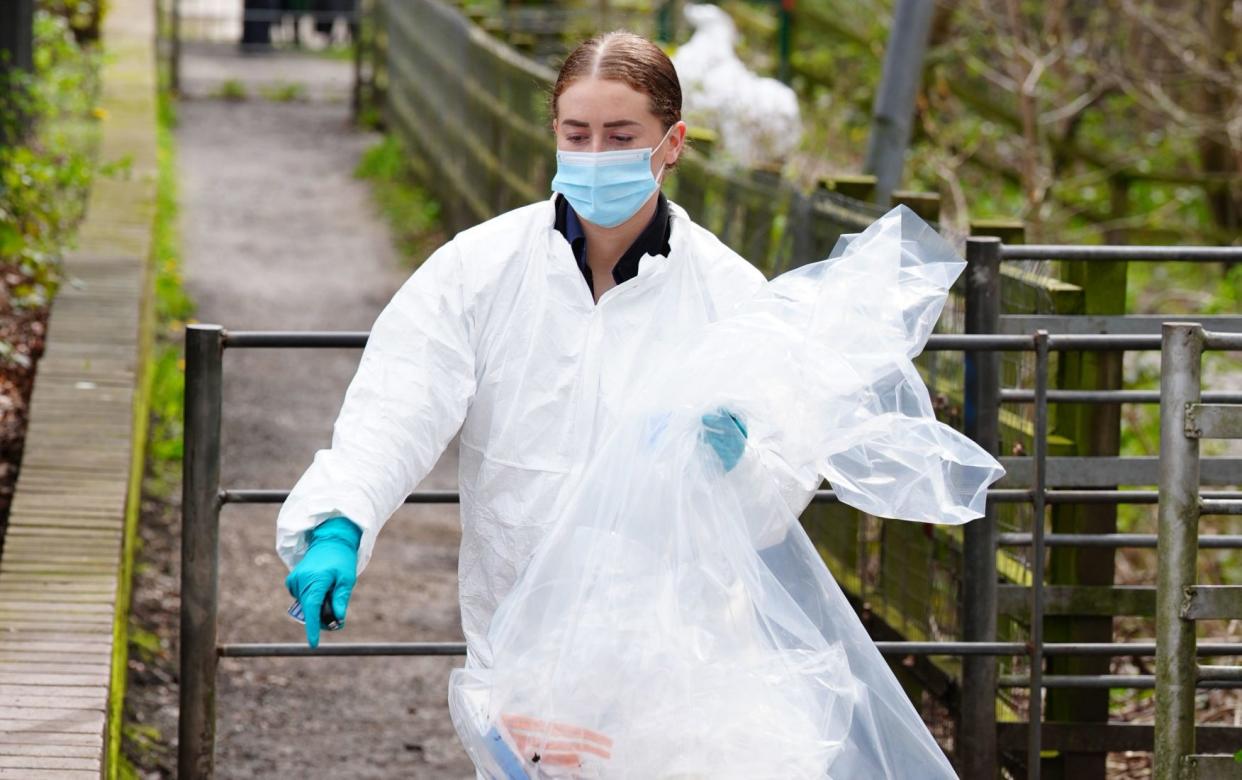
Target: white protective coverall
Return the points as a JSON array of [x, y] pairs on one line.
[[498, 334]]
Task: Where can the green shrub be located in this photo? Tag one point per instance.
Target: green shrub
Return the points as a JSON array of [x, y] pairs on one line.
[[49, 119], [83, 16]]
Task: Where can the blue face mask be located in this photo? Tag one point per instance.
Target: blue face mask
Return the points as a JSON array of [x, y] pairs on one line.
[[606, 188]]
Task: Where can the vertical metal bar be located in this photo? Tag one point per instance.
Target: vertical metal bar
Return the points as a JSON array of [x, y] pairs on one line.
[[977, 726], [1176, 547], [1035, 713], [200, 519]]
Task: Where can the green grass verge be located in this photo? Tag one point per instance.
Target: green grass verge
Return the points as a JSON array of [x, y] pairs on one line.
[[173, 309], [157, 420], [411, 212]]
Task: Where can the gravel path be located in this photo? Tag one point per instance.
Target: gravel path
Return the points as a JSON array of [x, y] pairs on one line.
[[277, 234]]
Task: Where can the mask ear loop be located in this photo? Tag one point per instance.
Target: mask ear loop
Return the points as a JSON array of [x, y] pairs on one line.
[[658, 176]]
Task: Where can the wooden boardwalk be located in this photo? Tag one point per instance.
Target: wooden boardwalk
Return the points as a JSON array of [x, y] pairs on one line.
[[63, 573]]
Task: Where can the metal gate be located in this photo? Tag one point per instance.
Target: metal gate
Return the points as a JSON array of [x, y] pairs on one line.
[[259, 24], [254, 26], [1185, 414]]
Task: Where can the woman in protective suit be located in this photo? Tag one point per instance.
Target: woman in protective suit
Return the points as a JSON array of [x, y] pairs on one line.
[[524, 332]]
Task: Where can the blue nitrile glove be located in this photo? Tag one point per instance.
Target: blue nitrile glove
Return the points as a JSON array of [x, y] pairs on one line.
[[727, 435], [329, 566]]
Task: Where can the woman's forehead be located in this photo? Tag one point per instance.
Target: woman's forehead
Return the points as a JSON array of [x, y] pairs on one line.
[[597, 101]]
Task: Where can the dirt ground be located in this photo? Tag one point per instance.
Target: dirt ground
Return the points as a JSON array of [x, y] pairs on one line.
[[278, 235]]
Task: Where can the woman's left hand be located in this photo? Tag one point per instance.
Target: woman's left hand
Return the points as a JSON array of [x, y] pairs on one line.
[[726, 433]]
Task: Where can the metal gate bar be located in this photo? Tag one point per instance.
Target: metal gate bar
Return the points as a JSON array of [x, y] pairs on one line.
[[1113, 252], [1066, 342], [203, 499], [1216, 542], [1015, 396], [997, 495], [1116, 649]]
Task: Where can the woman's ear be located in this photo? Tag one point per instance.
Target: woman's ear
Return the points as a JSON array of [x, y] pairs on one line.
[[676, 144]]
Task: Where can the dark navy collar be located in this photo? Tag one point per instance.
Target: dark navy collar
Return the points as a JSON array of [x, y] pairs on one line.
[[652, 241], [573, 231]]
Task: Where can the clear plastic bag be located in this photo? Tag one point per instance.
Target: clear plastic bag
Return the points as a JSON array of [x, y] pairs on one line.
[[677, 622]]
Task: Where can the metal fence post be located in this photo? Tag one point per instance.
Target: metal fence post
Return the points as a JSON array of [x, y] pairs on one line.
[[174, 54], [16, 56], [200, 534], [895, 99], [977, 723], [16, 36], [1176, 547]]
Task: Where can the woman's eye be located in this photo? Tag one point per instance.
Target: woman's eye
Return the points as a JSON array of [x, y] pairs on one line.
[[623, 139], [575, 139]]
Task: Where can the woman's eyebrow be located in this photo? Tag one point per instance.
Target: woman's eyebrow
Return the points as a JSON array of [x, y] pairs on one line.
[[614, 123]]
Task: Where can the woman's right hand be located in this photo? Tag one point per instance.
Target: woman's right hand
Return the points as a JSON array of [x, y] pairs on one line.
[[327, 571]]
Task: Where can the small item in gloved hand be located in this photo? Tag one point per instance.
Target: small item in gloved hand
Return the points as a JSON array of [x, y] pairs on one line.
[[508, 761], [326, 617]]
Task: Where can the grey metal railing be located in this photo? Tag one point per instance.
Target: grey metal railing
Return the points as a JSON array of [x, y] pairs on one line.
[[203, 499]]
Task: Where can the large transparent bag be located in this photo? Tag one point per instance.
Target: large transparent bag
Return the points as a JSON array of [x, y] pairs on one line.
[[677, 622]]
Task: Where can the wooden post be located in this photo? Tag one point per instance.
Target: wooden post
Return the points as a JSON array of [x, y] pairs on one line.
[[925, 204], [1094, 429], [784, 40], [856, 187], [361, 9]]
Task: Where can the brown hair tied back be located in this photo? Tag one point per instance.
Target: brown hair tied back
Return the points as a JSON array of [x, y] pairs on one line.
[[628, 58]]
